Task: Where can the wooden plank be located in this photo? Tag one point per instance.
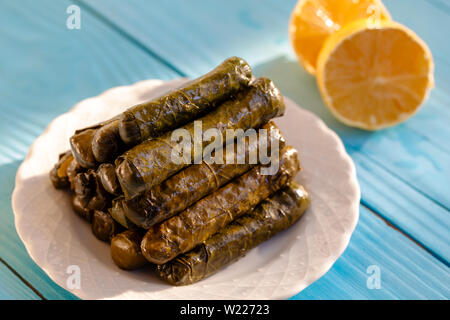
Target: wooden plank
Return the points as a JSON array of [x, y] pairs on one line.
[[49, 68], [406, 271], [12, 288], [426, 17]]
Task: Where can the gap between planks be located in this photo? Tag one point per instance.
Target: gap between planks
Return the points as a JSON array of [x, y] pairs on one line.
[[29, 285], [399, 177], [405, 234]]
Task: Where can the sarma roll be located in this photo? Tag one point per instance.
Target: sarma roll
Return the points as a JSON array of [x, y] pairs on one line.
[[108, 178], [183, 232], [58, 175], [193, 183], [106, 142], [184, 104], [73, 170], [89, 194], [126, 250], [117, 211], [232, 242], [150, 163]]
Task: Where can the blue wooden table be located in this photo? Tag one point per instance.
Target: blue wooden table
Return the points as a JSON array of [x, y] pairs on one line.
[[404, 172]]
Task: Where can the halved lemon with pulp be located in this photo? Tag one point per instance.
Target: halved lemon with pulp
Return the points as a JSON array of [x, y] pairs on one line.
[[374, 75], [313, 21]]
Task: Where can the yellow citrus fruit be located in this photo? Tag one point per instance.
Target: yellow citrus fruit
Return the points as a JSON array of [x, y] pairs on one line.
[[374, 75], [313, 21]]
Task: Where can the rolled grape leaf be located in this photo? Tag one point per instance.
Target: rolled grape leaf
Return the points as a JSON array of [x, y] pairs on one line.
[[118, 213], [80, 206], [183, 232], [151, 162], [81, 145], [271, 216], [126, 250], [184, 104], [103, 226], [73, 170], [196, 181], [106, 142], [58, 174]]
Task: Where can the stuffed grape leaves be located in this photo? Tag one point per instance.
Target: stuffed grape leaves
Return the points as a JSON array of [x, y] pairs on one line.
[[126, 250], [118, 213], [58, 175], [193, 183], [106, 142], [232, 242], [150, 163], [80, 206], [184, 104], [103, 226], [159, 183], [81, 145], [183, 232], [89, 194]]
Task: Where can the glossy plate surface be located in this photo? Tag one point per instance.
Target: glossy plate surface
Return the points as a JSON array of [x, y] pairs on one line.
[[57, 239]]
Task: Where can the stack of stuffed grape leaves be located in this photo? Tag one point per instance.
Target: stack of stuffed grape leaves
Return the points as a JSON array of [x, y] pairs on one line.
[[233, 189]]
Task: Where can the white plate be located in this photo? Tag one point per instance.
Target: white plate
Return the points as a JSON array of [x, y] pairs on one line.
[[56, 238]]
